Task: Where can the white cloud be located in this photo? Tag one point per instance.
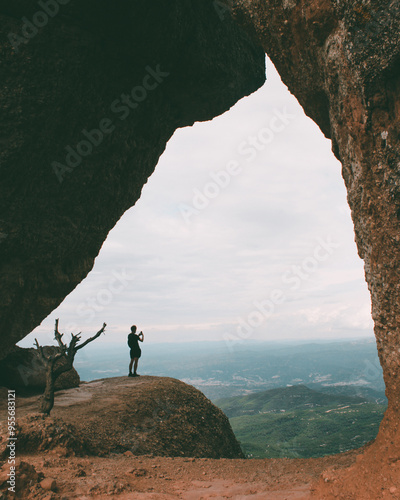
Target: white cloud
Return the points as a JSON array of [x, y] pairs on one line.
[[193, 281]]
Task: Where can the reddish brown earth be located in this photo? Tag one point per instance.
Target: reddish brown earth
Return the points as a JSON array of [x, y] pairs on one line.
[[138, 438], [163, 478], [374, 475]]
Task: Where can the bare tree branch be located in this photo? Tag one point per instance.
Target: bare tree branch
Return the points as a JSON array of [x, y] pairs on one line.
[[92, 338], [58, 336], [43, 357], [74, 340], [68, 354]]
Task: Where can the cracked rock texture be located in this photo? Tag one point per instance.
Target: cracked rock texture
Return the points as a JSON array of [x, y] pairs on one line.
[[133, 69]]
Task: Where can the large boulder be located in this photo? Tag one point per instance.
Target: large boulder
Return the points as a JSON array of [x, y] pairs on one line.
[[143, 415], [23, 370]]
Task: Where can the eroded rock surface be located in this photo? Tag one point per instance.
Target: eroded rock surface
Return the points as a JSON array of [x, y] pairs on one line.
[[126, 477], [134, 70]]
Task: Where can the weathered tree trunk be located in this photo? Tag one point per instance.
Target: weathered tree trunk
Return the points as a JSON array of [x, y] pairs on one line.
[[68, 355], [47, 399]]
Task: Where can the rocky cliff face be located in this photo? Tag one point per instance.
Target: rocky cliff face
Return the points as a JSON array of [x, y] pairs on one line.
[[90, 93]]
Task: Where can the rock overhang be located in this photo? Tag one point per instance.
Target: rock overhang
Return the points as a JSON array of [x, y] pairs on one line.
[[75, 157]]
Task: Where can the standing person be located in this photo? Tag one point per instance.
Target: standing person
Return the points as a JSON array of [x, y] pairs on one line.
[[133, 343]]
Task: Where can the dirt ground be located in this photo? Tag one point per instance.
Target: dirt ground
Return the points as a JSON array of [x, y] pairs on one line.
[[161, 478], [78, 452]]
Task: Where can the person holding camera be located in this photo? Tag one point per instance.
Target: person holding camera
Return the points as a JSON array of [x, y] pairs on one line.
[[133, 343]]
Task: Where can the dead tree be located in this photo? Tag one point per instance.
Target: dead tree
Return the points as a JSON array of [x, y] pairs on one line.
[[66, 353]]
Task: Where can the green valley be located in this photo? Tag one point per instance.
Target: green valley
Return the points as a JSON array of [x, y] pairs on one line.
[[297, 422]]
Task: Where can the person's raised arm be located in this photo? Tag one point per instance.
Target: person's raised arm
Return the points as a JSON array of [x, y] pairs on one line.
[[141, 336]]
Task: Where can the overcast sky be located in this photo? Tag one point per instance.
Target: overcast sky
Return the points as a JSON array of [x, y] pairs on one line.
[[243, 232]]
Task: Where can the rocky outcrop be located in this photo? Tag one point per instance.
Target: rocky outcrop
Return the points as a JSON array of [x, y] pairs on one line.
[[143, 415], [24, 371], [90, 93]]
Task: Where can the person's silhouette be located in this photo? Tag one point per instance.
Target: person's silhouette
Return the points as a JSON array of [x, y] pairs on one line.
[[133, 343]]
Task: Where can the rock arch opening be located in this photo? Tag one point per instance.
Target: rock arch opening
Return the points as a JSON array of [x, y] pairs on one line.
[[340, 60], [247, 240]]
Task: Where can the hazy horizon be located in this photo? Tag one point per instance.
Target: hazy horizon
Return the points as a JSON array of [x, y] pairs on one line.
[[105, 341]]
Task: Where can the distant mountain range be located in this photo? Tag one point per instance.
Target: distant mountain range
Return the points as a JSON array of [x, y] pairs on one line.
[[298, 422], [221, 370]]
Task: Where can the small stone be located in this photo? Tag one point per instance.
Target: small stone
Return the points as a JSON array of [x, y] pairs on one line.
[[49, 483], [393, 489], [328, 477], [128, 453], [140, 472]]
